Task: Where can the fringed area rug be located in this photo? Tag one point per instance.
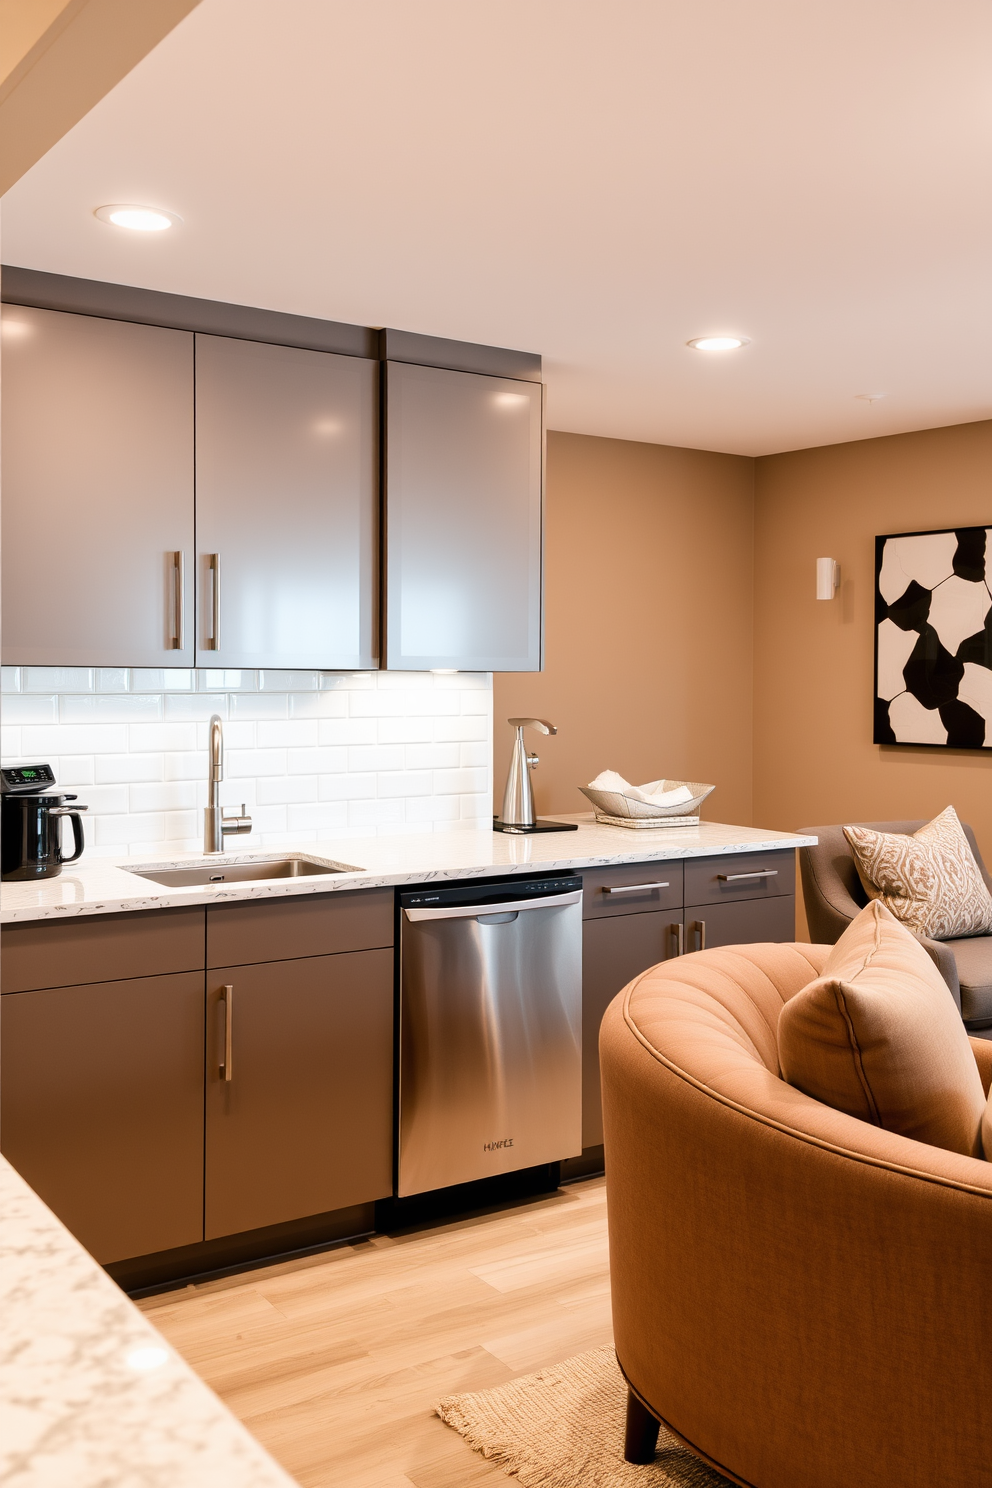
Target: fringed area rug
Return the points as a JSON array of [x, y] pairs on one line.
[[564, 1428]]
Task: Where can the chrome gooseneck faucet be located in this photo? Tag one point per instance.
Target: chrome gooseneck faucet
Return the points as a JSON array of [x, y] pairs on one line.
[[518, 798], [216, 825]]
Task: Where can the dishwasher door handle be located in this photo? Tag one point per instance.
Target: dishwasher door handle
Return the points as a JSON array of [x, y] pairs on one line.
[[472, 911]]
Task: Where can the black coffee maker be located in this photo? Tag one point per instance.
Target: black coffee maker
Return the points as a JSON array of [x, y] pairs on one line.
[[31, 812]]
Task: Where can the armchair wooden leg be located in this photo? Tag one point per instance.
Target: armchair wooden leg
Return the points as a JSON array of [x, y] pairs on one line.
[[642, 1432]]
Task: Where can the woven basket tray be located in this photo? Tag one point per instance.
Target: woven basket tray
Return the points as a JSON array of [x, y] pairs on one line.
[[647, 822]]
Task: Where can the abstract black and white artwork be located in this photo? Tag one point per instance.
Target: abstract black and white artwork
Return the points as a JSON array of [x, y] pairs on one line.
[[933, 638]]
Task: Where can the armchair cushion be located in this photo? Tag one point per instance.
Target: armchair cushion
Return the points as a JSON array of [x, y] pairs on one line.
[[878, 1036], [928, 879]]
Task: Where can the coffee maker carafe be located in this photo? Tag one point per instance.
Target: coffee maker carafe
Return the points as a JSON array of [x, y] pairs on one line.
[[31, 813]]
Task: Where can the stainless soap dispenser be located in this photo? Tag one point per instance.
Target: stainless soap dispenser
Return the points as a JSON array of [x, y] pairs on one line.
[[518, 797]]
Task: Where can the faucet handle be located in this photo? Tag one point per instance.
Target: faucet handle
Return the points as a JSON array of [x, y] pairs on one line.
[[534, 723]]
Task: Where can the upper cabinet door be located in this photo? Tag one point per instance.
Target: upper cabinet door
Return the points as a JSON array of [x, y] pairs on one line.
[[97, 491], [463, 521], [286, 498]]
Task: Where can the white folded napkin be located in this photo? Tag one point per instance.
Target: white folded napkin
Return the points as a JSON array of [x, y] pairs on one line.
[[653, 794]]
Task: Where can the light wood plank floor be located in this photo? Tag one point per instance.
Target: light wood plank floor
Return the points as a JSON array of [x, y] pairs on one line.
[[334, 1361]]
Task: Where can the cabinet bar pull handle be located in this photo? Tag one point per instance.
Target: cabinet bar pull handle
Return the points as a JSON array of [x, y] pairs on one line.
[[633, 888], [179, 599], [215, 618], [679, 932], [699, 928], [759, 873], [226, 1070]]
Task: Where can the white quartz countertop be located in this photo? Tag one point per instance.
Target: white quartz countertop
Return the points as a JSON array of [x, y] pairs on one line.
[[91, 1394], [108, 886]]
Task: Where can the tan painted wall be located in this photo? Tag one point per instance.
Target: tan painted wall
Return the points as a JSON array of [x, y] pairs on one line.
[[814, 758], [648, 558]]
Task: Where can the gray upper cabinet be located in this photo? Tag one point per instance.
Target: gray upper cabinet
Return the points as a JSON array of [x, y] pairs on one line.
[[286, 501], [464, 456], [97, 491]]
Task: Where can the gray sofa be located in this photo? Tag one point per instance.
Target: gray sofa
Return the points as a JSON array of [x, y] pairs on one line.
[[833, 895]]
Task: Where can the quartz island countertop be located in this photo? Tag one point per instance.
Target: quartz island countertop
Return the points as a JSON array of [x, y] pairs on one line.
[[110, 886], [91, 1393]]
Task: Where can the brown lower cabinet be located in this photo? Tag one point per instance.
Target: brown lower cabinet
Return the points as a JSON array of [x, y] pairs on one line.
[[614, 951], [299, 1096], [101, 1108]]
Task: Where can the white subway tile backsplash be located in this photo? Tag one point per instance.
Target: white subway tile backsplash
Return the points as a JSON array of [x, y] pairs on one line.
[[173, 795], [320, 761], [122, 769], [462, 729], [116, 679], [458, 782], [404, 783], [253, 705], [375, 757], [162, 736], [112, 708], [316, 754], [432, 756], [57, 679], [272, 681], [346, 787], [347, 731], [297, 733], [74, 738], [74, 769], [282, 790], [405, 730], [26, 707]]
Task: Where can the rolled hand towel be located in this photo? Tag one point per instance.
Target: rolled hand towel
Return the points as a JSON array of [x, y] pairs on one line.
[[653, 794]]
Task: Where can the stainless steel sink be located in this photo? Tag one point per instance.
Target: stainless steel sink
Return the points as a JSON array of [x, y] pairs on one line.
[[262, 868]]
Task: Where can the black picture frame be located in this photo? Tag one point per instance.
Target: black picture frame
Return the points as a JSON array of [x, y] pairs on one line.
[[933, 638]]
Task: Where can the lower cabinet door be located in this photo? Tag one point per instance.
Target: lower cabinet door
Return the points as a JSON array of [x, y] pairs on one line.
[[614, 950], [741, 923], [102, 1108], [299, 1088]]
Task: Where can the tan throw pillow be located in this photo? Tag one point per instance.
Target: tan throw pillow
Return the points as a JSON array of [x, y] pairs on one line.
[[878, 1035], [929, 880]]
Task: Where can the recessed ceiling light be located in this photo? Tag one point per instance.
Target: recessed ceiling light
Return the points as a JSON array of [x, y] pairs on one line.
[[717, 343], [869, 397], [138, 219]]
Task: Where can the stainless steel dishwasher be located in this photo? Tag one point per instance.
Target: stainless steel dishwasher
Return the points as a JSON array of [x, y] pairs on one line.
[[490, 1075]]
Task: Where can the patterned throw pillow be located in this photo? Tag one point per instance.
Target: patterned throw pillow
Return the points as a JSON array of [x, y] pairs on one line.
[[930, 880]]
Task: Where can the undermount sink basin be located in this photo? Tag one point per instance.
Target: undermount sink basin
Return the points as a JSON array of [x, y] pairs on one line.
[[219, 873]]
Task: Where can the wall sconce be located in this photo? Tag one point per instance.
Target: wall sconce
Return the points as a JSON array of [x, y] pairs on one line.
[[827, 577]]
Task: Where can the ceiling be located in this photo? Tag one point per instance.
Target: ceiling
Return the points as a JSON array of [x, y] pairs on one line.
[[596, 180]]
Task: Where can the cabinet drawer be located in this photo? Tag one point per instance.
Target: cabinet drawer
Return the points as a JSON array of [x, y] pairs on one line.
[[101, 948], [741, 922], [760, 875], [631, 888], [285, 929]]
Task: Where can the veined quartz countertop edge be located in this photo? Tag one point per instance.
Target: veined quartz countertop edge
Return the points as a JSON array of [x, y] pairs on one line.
[[84, 1400], [110, 886]]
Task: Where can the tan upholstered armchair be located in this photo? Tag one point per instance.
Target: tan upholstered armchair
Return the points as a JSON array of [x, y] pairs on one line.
[[833, 895], [802, 1297]]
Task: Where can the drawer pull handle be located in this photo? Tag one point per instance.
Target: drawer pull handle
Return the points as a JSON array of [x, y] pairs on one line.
[[179, 600], [226, 1070], [213, 640], [699, 928], [678, 931], [633, 888], [759, 873]]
